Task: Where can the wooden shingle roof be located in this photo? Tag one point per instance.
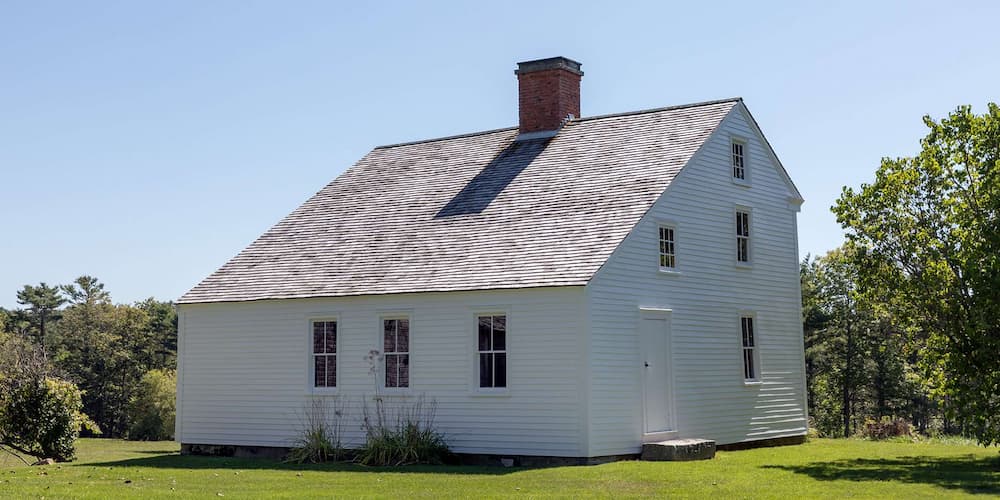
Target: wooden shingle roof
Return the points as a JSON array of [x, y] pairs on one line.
[[474, 212]]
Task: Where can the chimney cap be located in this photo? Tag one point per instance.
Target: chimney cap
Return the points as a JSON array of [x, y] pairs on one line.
[[549, 63]]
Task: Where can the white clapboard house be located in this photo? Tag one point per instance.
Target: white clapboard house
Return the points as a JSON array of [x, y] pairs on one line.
[[571, 287]]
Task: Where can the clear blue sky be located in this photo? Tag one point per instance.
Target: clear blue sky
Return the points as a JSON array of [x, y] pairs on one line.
[[146, 143]]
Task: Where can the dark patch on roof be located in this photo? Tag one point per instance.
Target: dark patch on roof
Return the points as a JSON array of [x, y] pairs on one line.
[[487, 184]]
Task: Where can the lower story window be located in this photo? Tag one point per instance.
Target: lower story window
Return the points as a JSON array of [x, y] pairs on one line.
[[324, 358], [396, 348], [750, 368], [492, 350]]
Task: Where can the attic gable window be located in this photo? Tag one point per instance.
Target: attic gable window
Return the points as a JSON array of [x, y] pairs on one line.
[[668, 257], [396, 349], [739, 160], [324, 350], [492, 350], [742, 236]]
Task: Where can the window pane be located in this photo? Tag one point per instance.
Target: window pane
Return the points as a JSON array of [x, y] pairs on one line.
[[748, 362], [391, 378], [403, 335], [331, 371], [749, 329], [319, 371], [389, 335], [500, 373], [331, 336], [500, 323], [485, 370], [499, 340], [484, 332], [404, 370], [318, 338]]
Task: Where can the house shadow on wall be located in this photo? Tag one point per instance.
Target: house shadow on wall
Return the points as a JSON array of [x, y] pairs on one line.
[[971, 474], [492, 179]]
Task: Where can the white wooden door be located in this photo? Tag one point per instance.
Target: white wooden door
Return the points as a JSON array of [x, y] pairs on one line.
[[656, 382]]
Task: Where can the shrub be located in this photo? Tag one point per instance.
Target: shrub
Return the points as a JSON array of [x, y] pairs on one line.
[[40, 415], [43, 418], [886, 428], [151, 412], [410, 439], [320, 437]]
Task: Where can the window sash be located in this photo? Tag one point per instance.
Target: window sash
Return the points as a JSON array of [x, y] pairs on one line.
[[750, 368], [324, 354], [491, 351], [742, 236], [739, 171], [396, 352], [668, 257]]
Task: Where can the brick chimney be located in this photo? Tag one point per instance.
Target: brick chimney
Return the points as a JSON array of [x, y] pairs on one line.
[[548, 93]]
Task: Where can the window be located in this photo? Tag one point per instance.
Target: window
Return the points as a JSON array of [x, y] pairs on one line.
[[668, 259], [396, 351], [739, 161], [324, 341], [742, 237], [750, 368], [492, 350]]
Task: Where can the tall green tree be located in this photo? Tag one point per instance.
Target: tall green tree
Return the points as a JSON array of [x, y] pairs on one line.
[[86, 290], [43, 303], [928, 229]]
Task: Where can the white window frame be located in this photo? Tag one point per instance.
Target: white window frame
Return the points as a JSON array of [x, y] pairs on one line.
[[736, 236], [398, 315], [744, 158], [311, 375], [749, 352], [660, 254], [475, 352]]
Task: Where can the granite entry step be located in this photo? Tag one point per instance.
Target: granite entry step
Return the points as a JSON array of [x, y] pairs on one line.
[[679, 449]]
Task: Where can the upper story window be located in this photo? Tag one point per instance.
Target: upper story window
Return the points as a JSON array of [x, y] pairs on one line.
[[396, 352], [492, 350], [668, 257], [739, 160], [751, 370], [324, 353], [743, 236]]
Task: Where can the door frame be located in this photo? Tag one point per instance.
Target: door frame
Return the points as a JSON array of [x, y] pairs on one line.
[[656, 313]]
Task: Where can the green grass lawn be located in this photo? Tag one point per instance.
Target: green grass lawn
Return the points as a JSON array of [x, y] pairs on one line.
[[820, 468]]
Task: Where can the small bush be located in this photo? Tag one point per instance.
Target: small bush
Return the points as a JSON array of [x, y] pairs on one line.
[[43, 419], [40, 415], [886, 428], [320, 438], [152, 410], [410, 439]]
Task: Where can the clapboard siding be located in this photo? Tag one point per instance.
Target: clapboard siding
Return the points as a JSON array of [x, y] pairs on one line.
[[710, 397], [244, 371]]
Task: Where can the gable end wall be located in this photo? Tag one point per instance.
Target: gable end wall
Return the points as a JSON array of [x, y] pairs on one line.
[[710, 398]]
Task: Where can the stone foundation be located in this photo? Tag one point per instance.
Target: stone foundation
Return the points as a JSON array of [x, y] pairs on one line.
[[763, 443]]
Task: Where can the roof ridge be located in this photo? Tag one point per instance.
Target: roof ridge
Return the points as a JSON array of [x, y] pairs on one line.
[[655, 110], [446, 138], [583, 119]]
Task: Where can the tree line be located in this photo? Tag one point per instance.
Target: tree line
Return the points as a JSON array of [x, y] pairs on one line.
[[111, 352], [902, 323]]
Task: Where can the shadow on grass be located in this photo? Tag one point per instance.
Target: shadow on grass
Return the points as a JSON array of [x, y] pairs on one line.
[[967, 472], [177, 461]]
